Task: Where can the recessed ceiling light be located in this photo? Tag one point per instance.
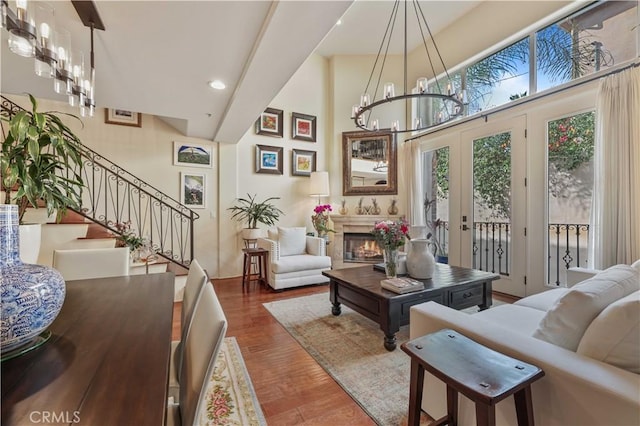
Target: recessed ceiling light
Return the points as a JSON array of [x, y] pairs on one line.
[[339, 22], [217, 84]]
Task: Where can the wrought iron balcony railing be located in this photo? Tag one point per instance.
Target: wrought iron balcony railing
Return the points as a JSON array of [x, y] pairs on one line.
[[567, 247], [113, 196]]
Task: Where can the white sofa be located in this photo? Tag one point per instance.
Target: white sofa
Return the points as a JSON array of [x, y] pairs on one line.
[[295, 259], [577, 390]]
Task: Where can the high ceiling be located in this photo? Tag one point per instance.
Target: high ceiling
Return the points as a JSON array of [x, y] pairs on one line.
[[156, 57]]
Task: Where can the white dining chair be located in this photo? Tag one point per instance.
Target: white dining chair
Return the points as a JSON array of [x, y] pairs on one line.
[[78, 264], [201, 347], [196, 278]]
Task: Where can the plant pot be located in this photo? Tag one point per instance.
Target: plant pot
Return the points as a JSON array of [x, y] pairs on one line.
[[32, 295], [252, 233], [30, 235]]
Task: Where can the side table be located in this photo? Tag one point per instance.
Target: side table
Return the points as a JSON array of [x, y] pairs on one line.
[[481, 374], [260, 257]]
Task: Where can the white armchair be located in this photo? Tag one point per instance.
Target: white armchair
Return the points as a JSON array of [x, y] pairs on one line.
[[295, 259]]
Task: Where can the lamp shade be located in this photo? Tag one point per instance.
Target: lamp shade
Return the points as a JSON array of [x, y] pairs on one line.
[[319, 184]]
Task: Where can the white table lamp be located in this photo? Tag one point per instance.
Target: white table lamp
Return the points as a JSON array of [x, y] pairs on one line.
[[319, 185]]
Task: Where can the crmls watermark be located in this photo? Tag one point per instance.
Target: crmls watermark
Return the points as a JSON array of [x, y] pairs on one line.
[[54, 417]]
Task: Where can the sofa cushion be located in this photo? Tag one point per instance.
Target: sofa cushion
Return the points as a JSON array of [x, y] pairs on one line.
[[543, 301], [522, 319], [300, 262], [292, 240], [565, 323], [614, 335]]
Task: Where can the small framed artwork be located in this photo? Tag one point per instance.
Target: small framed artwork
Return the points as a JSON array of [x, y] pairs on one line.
[[302, 162], [122, 117], [193, 190], [303, 127], [188, 154], [270, 123], [269, 159]]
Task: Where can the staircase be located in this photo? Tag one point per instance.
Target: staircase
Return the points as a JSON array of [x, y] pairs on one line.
[[113, 196]]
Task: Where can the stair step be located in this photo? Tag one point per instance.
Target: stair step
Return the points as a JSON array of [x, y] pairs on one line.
[[72, 217], [99, 231], [58, 236]]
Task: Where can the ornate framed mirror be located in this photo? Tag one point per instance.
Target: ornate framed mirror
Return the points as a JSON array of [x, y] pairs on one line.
[[369, 161]]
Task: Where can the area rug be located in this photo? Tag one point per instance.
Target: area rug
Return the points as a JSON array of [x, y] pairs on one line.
[[350, 348], [231, 399]]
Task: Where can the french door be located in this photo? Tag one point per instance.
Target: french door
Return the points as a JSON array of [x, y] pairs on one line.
[[477, 178], [493, 202]]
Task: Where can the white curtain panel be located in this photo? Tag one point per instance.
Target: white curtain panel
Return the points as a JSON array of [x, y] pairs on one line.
[[615, 215], [411, 157]]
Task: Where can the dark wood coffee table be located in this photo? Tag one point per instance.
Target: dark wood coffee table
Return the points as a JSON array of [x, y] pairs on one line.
[[359, 288]]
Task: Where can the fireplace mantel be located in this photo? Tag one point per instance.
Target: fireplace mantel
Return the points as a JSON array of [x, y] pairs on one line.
[[350, 223]]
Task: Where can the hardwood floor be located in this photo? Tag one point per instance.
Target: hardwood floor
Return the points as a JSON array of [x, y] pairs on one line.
[[291, 386]]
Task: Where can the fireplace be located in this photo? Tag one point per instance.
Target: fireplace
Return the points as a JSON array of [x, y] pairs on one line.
[[352, 244], [361, 248]]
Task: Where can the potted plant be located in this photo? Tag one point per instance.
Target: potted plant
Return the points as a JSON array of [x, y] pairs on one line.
[[40, 163], [253, 212]]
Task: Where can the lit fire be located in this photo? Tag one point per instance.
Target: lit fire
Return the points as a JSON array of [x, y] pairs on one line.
[[368, 249], [363, 250]]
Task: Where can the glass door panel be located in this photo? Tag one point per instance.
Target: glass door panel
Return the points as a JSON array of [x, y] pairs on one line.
[[492, 203], [570, 142], [493, 206], [436, 187]]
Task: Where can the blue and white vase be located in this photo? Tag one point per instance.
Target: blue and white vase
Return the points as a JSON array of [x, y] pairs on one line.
[[32, 295]]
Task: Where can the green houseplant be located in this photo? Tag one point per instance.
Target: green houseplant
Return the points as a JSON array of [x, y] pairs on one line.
[[40, 161], [40, 164], [253, 212]]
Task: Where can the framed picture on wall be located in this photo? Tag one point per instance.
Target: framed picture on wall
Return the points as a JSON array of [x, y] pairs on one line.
[[122, 117], [188, 154], [269, 159], [302, 162], [270, 123], [303, 127], [193, 190]]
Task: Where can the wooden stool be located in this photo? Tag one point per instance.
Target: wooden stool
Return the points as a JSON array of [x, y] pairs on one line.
[[481, 374], [260, 255]]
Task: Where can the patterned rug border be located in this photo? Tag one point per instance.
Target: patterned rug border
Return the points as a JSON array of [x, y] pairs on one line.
[[232, 398]]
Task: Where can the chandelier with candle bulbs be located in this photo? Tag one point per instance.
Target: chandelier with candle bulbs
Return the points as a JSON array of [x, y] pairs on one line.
[[451, 101], [33, 34]]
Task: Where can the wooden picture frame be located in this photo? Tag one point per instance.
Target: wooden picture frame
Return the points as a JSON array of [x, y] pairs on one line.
[[269, 159], [122, 117], [193, 190], [302, 162], [303, 127], [270, 123], [192, 155], [362, 152]]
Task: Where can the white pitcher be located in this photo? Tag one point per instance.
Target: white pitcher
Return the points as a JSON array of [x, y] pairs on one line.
[[420, 261]]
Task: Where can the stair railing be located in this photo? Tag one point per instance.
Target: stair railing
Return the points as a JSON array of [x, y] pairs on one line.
[[112, 196]]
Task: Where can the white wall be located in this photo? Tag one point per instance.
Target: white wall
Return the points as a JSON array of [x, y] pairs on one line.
[[146, 152], [306, 93], [349, 75]]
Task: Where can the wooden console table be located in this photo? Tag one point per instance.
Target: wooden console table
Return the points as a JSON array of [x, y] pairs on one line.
[[359, 288]]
